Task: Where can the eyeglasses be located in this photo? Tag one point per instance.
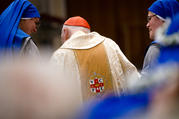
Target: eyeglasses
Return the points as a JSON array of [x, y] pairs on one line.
[[150, 17], [37, 24]]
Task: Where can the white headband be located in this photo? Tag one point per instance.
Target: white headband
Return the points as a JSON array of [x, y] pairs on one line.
[[26, 18]]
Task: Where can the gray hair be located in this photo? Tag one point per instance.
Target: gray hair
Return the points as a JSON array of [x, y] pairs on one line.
[[77, 28]]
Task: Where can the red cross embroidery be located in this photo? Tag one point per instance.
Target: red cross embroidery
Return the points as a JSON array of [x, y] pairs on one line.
[[98, 86]]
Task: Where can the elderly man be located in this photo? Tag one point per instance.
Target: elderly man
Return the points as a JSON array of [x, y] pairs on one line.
[[96, 62], [17, 22], [158, 12]]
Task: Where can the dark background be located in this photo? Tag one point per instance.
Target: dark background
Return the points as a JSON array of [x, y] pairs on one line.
[[124, 21]]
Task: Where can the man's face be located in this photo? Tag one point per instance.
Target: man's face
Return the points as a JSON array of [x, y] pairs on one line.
[[153, 24], [29, 26]]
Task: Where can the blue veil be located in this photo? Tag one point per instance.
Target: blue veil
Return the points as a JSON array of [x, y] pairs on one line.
[[11, 35], [165, 8]]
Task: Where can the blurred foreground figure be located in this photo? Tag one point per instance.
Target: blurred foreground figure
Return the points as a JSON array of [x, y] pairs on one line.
[[31, 90], [94, 61], [164, 103]]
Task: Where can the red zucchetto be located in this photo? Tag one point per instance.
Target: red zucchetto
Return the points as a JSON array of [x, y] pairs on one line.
[[77, 21]]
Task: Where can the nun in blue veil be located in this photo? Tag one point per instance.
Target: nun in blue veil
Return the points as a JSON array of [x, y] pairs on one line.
[[158, 13], [13, 40]]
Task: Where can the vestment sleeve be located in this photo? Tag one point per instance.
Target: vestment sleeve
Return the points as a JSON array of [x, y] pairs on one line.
[[130, 71], [122, 69]]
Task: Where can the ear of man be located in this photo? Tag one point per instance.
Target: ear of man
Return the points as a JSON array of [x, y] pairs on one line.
[[66, 34]]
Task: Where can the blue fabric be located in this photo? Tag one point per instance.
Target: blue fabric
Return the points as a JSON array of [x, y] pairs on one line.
[[20, 35], [9, 22], [154, 42], [169, 54], [174, 26], [31, 12], [165, 8], [114, 107]]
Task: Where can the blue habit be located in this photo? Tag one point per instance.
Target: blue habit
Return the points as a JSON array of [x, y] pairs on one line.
[[170, 53], [11, 36]]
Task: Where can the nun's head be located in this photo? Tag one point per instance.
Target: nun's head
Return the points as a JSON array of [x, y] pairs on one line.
[[158, 12], [30, 19]]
